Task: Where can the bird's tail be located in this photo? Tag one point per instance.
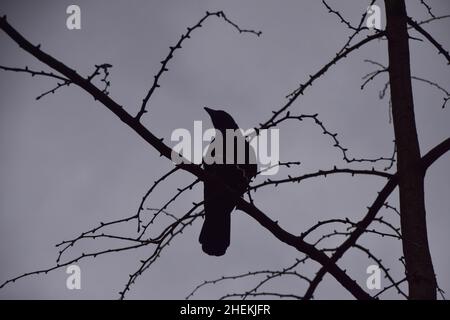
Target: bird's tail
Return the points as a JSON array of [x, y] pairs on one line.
[[215, 234]]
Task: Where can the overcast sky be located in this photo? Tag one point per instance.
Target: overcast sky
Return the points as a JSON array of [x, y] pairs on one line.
[[67, 163]]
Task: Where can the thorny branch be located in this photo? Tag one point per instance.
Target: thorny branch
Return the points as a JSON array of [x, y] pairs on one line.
[[422, 31], [428, 8], [183, 37], [337, 143], [269, 275], [147, 194], [371, 76]]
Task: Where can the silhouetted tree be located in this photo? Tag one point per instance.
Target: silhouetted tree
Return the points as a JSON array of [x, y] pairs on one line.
[[411, 169]]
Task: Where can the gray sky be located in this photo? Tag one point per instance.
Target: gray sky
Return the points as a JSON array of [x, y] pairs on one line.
[[68, 163]]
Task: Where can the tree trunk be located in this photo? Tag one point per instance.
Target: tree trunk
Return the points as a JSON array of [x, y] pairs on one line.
[[419, 267]]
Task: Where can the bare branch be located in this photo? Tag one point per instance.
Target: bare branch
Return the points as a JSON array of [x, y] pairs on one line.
[[53, 90], [287, 164], [270, 274], [296, 93], [262, 294], [422, 31], [434, 84], [432, 20], [83, 256], [394, 209], [180, 191], [341, 18], [144, 198], [224, 17], [70, 243], [33, 72], [320, 173], [169, 57], [337, 143], [428, 7], [380, 264], [163, 241]]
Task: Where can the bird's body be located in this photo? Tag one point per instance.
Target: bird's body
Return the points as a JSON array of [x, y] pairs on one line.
[[220, 202]]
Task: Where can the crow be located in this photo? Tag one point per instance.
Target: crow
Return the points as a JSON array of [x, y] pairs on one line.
[[219, 202]]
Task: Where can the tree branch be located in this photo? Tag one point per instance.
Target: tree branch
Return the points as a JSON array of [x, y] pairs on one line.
[[422, 31], [164, 62]]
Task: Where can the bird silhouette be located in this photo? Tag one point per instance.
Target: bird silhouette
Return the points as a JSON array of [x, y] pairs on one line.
[[219, 202]]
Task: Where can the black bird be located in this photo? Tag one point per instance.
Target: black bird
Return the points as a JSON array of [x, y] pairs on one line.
[[219, 203]]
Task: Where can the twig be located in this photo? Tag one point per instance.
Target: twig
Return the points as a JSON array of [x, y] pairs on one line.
[[320, 173], [172, 50], [422, 31], [380, 264], [144, 198], [428, 8], [270, 274], [337, 143]]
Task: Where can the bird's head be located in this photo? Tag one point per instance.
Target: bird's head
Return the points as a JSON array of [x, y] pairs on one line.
[[221, 120]]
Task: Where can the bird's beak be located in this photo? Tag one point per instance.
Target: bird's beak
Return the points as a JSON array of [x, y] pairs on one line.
[[210, 111]]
